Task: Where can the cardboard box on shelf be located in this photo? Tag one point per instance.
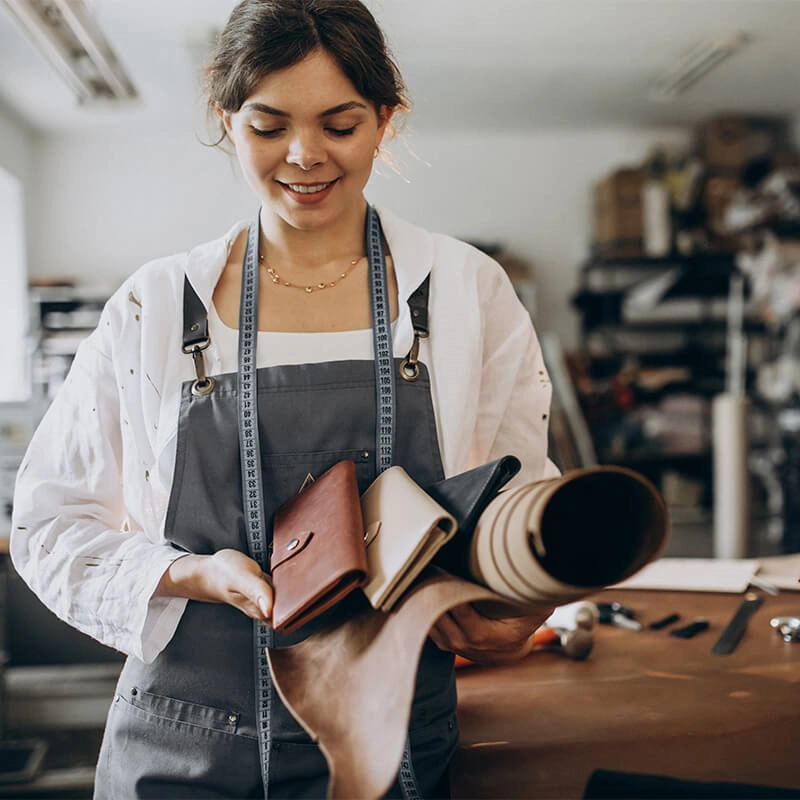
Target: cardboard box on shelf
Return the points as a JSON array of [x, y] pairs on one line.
[[717, 195], [729, 142], [617, 214]]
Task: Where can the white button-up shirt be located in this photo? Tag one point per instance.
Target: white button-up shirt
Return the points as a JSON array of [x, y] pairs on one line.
[[92, 491]]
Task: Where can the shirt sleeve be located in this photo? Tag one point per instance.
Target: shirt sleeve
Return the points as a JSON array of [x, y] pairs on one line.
[[515, 390], [73, 541]]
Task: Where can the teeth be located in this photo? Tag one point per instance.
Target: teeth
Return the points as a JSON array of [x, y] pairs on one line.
[[305, 189]]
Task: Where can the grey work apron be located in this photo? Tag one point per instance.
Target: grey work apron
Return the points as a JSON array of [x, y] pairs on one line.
[[187, 725]]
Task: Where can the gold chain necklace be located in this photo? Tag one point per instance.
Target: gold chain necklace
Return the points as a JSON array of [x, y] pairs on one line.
[[308, 289]]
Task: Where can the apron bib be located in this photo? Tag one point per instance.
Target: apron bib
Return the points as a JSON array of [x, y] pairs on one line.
[[203, 720]]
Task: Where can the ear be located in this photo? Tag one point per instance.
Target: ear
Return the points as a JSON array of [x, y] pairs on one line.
[[225, 118], [384, 118]]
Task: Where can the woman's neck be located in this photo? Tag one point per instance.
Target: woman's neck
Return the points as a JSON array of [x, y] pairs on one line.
[[286, 246]]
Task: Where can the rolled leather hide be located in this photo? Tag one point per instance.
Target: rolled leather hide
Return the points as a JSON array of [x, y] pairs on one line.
[[540, 545], [556, 540]]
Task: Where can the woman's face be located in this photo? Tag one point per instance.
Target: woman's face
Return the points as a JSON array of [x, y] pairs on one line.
[[306, 139]]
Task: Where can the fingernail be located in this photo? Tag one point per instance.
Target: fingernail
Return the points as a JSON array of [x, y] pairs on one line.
[[262, 604]]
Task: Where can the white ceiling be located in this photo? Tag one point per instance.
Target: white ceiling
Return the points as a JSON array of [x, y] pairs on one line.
[[502, 64]]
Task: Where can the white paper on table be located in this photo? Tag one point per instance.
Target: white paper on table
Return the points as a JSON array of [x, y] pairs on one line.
[[695, 575], [782, 572]]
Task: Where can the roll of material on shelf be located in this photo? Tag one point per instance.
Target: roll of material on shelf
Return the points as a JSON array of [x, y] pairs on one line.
[[731, 480]]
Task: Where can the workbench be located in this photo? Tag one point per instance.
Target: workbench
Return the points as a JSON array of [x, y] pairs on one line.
[[642, 702]]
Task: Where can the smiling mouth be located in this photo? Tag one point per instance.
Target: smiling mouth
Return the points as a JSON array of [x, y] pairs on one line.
[[308, 188]]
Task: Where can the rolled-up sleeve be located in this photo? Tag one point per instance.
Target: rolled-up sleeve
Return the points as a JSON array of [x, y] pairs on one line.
[[515, 389], [73, 541]]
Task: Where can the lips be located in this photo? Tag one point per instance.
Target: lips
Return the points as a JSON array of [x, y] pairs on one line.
[[308, 188], [308, 193]]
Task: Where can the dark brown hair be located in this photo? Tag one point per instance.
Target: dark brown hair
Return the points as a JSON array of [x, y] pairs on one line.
[[263, 36]]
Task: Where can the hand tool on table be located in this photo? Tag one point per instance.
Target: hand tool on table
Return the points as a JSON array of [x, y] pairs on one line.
[[619, 615], [735, 629]]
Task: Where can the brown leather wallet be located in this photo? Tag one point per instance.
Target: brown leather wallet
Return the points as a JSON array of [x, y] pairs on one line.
[[318, 551]]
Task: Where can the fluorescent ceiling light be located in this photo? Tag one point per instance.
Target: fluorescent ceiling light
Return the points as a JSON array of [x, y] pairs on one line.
[[695, 63], [66, 32]]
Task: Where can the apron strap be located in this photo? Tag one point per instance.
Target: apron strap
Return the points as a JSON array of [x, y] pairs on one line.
[[418, 303], [195, 337], [195, 317]]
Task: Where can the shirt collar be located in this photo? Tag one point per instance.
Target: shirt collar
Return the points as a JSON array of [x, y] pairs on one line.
[[411, 248]]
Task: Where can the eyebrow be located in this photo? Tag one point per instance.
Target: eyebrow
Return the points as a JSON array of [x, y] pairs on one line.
[[275, 112]]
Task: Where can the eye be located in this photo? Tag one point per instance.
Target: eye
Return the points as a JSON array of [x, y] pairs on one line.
[[341, 131], [272, 132]]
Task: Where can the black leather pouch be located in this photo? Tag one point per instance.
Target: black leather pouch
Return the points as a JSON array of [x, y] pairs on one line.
[[465, 496]]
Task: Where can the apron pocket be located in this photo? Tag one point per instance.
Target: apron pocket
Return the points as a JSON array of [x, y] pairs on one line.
[[286, 473], [180, 711], [174, 755]]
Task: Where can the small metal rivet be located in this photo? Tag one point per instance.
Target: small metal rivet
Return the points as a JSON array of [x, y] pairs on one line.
[[294, 543], [233, 718], [134, 691], [365, 454], [195, 327]]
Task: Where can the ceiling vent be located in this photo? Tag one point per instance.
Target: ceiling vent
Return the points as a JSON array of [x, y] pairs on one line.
[[66, 32], [695, 63]]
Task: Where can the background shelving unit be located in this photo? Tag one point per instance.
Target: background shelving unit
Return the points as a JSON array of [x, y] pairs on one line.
[[61, 318]]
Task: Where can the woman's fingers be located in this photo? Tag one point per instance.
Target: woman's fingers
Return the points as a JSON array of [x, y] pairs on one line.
[[227, 576], [466, 632]]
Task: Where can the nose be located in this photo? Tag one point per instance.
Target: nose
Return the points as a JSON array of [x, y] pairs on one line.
[[306, 150]]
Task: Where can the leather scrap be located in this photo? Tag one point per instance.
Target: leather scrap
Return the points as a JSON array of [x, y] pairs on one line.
[[351, 685]]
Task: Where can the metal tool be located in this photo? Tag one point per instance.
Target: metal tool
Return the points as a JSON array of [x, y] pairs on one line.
[[664, 622], [787, 627], [575, 643], [735, 629], [619, 615], [580, 614], [690, 630]]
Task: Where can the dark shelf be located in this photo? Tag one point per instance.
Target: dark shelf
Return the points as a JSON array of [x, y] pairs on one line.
[[707, 262], [644, 457]]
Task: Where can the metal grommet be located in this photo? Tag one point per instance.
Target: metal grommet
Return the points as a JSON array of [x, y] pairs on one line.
[[204, 387], [409, 371], [787, 627]]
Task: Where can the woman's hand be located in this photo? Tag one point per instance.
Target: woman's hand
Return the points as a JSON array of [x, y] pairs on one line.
[[486, 640], [228, 576]]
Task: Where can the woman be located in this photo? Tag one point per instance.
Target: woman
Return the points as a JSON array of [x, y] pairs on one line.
[[130, 521]]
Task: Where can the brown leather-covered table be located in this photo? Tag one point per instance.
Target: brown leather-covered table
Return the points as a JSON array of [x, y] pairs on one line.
[[643, 702]]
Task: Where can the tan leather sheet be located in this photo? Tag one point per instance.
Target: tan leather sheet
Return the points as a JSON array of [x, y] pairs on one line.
[[351, 686]]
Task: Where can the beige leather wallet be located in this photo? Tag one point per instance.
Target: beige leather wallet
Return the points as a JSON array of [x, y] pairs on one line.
[[404, 529]]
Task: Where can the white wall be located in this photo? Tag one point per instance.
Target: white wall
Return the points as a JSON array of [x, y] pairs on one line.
[[17, 153], [110, 203]]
